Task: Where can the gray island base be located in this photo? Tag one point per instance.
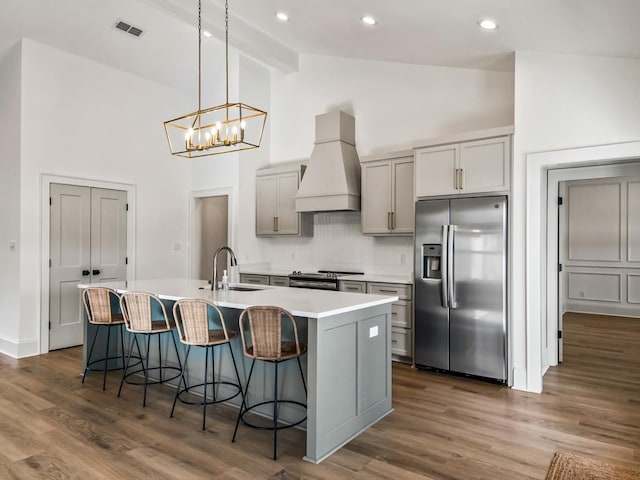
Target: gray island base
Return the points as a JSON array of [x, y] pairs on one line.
[[348, 361]]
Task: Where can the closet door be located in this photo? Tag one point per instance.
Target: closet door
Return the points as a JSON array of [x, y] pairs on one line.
[[70, 264], [88, 243]]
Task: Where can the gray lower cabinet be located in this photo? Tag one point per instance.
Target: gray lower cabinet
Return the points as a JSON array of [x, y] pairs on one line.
[[254, 279], [279, 281], [401, 313]]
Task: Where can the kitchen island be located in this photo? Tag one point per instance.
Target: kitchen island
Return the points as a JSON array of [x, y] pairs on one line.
[[348, 360]]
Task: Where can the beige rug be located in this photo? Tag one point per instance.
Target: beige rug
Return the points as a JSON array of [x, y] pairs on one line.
[[567, 466]]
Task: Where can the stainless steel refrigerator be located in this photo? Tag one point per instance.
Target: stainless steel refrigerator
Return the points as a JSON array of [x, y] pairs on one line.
[[461, 286]]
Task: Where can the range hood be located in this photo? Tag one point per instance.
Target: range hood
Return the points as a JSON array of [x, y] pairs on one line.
[[331, 181]]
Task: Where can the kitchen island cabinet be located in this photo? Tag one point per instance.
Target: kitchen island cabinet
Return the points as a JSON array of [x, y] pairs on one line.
[[348, 360]]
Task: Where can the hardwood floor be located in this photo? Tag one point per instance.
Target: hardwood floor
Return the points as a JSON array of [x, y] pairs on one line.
[[443, 427]]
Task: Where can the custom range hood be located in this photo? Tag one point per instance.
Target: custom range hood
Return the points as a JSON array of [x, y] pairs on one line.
[[332, 179]]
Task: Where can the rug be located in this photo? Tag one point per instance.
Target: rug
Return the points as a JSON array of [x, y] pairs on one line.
[[568, 466]]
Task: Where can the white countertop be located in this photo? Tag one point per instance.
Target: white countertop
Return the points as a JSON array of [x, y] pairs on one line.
[[301, 302]]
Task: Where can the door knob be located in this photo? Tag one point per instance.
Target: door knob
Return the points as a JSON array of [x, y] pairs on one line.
[[85, 273], [96, 272]]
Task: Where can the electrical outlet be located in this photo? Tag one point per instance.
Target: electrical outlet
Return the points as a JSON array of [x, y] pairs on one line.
[[373, 332], [403, 259], [12, 245], [177, 246]]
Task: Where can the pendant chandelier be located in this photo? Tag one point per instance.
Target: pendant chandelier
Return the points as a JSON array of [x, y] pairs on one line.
[[230, 127]]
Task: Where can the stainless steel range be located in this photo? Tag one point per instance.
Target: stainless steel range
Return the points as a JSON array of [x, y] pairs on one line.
[[320, 280]]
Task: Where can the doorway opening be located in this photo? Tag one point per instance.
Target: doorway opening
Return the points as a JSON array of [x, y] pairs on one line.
[[210, 229], [591, 220]]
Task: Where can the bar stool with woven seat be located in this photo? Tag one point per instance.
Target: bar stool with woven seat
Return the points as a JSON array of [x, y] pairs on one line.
[[192, 321], [267, 344], [98, 303], [139, 310]]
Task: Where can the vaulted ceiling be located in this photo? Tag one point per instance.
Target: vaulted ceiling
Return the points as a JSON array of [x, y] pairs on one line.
[[425, 32]]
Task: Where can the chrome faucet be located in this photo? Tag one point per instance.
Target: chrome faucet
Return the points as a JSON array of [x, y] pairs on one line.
[[234, 262]]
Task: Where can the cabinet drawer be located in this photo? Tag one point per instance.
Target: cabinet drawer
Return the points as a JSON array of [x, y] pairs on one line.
[[403, 291], [353, 286], [255, 279], [401, 341], [279, 281], [401, 314]]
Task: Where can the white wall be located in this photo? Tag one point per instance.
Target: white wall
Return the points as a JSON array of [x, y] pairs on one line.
[[10, 198], [84, 120], [394, 104], [561, 102]]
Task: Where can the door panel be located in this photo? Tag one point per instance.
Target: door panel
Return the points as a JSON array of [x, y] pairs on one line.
[[403, 196], [108, 235], [266, 188], [431, 318], [478, 321], [70, 223], [287, 221]]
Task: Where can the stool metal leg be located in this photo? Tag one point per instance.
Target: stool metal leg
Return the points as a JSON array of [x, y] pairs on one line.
[[235, 367], [126, 365], [206, 375], [244, 403], [93, 344], [106, 360], [302, 376], [275, 412], [146, 372], [182, 378], [160, 356]]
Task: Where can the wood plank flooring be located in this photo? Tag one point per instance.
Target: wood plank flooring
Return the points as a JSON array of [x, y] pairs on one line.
[[443, 427]]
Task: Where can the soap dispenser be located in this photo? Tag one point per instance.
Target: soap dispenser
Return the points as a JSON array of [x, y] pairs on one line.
[[225, 281]]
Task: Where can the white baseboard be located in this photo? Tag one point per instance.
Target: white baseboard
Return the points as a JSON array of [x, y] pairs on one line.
[[614, 310], [19, 349]]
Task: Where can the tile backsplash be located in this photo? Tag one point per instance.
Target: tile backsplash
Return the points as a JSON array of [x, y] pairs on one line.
[[338, 243]]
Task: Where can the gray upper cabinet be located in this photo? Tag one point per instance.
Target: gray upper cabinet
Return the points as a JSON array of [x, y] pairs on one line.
[[276, 188], [387, 196], [467, 167]]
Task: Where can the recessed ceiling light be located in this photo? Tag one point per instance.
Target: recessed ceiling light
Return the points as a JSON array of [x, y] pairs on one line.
[[488, 24], [282, 16], [206, 33], [368, 20]]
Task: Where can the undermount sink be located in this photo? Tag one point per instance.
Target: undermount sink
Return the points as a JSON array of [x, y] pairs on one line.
[[244, 289]]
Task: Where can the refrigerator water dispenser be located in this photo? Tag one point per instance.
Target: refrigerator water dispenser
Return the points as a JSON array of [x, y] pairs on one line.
[[431, 264]]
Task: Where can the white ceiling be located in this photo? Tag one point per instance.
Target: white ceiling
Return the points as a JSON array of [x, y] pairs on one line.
[[412, 31]]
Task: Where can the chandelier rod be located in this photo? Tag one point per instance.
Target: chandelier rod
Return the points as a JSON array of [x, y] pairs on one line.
[[226, 43]]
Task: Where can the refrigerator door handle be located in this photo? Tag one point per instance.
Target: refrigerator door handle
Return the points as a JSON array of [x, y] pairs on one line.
[[451, 287], [444, 262]]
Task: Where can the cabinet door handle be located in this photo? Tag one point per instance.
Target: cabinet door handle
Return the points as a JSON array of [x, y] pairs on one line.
[[95, 272], [455, 179], [461, 178], [388, 291], [85, 273], [388, 220], [393, 220], [275, 229], [353, 288]]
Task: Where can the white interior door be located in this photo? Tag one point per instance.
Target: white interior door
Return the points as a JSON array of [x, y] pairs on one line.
[[108, 235], [87, 244]]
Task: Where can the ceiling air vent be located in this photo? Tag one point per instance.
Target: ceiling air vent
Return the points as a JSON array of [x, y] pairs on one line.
[[125, 27]]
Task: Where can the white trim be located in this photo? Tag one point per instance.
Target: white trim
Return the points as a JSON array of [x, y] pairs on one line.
[[536, 271], [194, 195], [45, 186]]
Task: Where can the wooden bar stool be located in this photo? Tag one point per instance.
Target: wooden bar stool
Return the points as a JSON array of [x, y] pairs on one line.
[[266, 343], [192, 319], [98, 303], [138, 311]]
